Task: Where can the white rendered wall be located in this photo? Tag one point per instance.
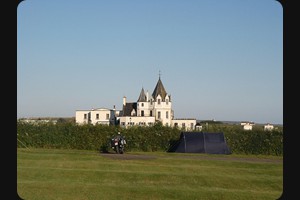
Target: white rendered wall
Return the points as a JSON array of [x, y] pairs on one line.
[[79, 116], [102, 119], [189, 124]]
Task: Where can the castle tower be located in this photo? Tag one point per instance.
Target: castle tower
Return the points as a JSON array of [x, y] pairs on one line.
[[162, 104], [143, 105]]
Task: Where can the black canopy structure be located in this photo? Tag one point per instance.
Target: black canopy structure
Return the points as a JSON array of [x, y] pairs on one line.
[[200, 142]]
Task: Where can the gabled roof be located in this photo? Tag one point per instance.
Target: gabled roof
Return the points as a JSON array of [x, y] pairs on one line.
[[142, 97], [159, 90], [127, 109]]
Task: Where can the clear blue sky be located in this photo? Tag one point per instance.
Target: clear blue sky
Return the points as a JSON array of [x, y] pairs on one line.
[[219, 59]]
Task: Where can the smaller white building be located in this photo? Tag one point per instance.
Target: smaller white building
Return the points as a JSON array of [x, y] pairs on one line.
[[184, 124], [247, 125], [198, 127], [268, 127], [96, 116]]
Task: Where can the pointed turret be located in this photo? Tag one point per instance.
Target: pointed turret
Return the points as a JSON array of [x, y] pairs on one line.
[[159, 90], [142, 97]]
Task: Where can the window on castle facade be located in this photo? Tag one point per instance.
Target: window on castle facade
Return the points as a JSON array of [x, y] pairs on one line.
[[142, 113], [85, 116], [107, 116], [167, 101], [167, 114], [158, 101], [150, 113], [97, 116], [158, 114]]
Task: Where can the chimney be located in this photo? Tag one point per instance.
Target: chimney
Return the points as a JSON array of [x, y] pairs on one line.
[[124, 101], [147, 96]]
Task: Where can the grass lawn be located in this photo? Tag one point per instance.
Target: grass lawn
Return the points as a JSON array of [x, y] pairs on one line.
[[55, 174]]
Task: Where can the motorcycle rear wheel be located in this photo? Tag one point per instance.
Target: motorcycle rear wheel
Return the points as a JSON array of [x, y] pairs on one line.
[[117, 149]]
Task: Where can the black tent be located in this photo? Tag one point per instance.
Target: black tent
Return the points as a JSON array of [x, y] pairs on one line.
[[199, 142]]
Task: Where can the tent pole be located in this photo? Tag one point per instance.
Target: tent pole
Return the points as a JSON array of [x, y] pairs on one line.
[[22, 143], [204, 142], [184, 143]]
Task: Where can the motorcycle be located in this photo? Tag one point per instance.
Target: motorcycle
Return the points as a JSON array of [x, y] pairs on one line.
[[118, 145]]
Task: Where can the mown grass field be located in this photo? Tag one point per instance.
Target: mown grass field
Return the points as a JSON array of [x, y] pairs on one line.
[[55, 174]]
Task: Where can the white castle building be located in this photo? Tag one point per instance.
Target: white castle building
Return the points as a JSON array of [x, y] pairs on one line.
[[146, 111]]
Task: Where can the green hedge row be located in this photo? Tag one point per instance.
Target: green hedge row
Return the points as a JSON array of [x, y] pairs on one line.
[[154, 138]]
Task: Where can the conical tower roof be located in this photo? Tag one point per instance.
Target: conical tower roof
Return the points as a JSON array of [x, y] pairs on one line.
[[159, 90], [142, 97]]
